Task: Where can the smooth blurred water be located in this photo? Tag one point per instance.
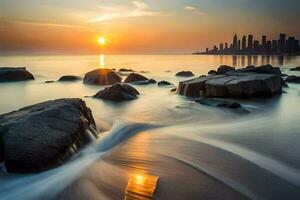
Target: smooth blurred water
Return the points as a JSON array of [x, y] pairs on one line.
[[198, 152]]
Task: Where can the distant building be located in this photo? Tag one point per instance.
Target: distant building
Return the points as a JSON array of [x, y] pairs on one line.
[[239, 45], [244, 43], [281, 42], [235, 43], [256, 45], [264, 42], [221, 47], [250, 42]]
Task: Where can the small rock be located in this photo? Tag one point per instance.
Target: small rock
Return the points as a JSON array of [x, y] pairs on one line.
[[173, 89], [118, 92], [295, 69], [185, 74], [164, 83], [49, 81], [224, 69], [126, 70], [212, 72], [134, 77], [101, 77], [69, 78], [8, 74], [293, 79]]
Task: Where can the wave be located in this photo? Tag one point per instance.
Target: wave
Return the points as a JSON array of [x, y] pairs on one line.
[[52, 182]]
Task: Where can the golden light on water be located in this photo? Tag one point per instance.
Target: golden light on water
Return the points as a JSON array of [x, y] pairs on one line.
[[140, 186], [102, 60]]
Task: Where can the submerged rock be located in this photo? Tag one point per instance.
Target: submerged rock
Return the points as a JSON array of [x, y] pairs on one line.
[[293, 79], [118, 92], [134, 77], [234, 84], [101, 77], [224, 69], [218, 103], [45, 135], [164, 83], [69, 78], [49, 81], [295, 69], [185, 74], [15, 74]]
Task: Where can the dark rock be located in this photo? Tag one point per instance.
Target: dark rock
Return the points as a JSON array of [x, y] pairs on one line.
[[295, 69], [224, 69], [284, 75], [218, 103], [239, 85], [264, 69], [185, 74], [49, 81], [212, 72], [45, 135], [126, 70], [69, 78], [118, 92], [151, 81], [284, 84], [293, 79], [8, 74], [173, 89], [134, 77], [164, 83], [101, 77]]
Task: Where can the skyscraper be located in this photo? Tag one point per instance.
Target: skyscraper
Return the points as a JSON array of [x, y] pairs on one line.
[[239, 45], [221, 47], [244, 43], [264, 41], [250, 42], [235, 43], [281, 42]]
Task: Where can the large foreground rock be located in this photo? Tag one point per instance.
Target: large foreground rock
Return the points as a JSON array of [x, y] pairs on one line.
[[118, 92], [14, 74], [101, 77], [233, 84], [44, 135], [134, 77]]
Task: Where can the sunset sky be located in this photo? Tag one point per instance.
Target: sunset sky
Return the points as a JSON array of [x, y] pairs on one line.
[[142, 27]]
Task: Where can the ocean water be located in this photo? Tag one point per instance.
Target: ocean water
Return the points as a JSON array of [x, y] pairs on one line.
[[164, 141]]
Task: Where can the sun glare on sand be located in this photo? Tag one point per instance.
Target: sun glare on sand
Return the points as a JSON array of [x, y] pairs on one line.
[[101, 40]]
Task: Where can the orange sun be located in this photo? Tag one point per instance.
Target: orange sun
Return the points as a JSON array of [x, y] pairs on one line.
[[101, 41]]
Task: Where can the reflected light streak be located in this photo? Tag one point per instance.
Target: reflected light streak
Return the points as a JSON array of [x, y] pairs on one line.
[[140, 187], [102, 60]]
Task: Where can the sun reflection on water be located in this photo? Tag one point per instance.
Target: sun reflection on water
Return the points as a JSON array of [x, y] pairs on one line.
[[140, 187], [102, 60]]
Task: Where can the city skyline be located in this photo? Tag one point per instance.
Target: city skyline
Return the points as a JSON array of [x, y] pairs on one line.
[[248, 45]]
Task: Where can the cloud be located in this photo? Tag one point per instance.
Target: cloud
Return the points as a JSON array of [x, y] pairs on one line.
[[194, 10], [137, 9], [189, 8]]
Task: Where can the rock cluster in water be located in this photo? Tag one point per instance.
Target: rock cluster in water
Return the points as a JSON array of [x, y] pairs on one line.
[[228, 82], [101, 77], [44, 135], [118, 92], [15, 74]]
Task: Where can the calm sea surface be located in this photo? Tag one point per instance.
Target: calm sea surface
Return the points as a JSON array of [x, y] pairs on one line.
[[161, 140]]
